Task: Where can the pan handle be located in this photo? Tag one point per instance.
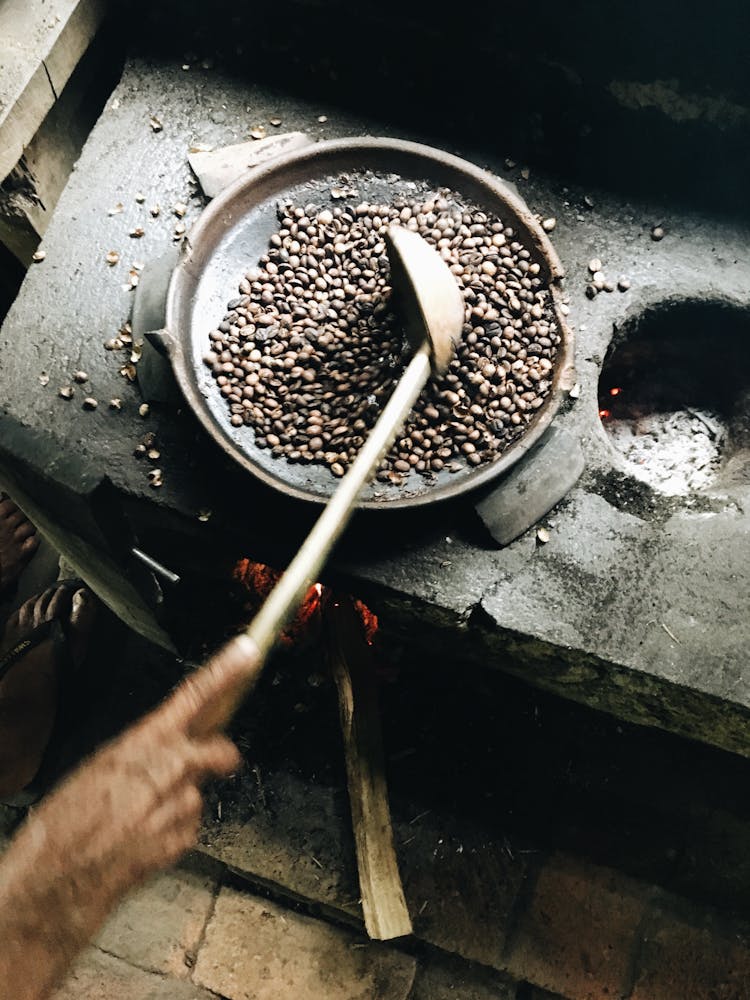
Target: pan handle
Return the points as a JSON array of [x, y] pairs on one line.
[[163, 341]]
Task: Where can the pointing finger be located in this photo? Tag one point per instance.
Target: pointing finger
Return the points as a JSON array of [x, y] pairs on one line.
[[204, 702]]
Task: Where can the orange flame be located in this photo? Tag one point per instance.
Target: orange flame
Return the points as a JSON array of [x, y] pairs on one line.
[[258, 580], [604, 414]]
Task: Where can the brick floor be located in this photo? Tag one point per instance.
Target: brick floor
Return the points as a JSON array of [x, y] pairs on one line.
[[97, 976], [160, 926], [255, 950], [442, 977], [579, 930], [680, 961]]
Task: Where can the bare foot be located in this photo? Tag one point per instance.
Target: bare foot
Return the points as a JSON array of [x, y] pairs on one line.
[[18, 543], [29, 689]]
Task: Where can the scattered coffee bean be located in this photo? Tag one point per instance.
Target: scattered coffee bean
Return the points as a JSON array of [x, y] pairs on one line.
[[595, 265], [80, 377], [115, 404], [657, 233], [623, 284], [143, 410], [66, 392], [38, 256], [548, 225], [90, 403]]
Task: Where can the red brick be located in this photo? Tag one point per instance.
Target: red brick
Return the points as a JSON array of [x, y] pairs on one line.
[[97, 976], [578, 931], [680, 961], [160, 926], [256, 950]]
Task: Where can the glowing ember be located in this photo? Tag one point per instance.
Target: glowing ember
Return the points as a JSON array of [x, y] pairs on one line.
[[258, 580], [615, 392], [604, 414], [369, 621]]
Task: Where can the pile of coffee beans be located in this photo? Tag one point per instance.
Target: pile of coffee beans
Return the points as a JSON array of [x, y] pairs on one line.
[[310, 351]]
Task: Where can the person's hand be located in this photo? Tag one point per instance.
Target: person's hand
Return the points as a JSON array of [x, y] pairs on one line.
[[135, 806], [130, 810]]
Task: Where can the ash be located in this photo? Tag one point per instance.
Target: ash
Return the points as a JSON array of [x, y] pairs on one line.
[[675, 452]]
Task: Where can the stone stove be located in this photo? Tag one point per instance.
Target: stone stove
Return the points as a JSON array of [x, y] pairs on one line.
[[637, 602]]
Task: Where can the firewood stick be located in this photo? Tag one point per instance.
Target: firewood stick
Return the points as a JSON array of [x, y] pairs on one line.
[[351, 661]]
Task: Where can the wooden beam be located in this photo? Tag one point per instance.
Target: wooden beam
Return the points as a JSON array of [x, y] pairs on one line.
[[40, 46]]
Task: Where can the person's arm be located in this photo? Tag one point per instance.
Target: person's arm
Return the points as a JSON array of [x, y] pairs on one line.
[[131, 810]]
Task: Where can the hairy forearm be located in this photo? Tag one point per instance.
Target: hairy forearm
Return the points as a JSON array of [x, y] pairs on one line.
[[51, 905], [131, 810]]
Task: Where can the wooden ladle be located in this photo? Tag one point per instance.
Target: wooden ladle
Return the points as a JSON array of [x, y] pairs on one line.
[[429, 300], [428, 297]]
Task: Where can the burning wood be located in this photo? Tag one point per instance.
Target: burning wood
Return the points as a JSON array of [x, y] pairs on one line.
[[258, 579]]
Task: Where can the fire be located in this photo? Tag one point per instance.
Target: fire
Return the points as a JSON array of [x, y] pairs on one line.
[[258, 580], [604, 414], [369, 621], [256, 577], [615, 391]]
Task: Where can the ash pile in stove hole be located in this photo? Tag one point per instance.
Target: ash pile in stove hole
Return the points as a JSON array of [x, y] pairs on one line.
[[674, 452]]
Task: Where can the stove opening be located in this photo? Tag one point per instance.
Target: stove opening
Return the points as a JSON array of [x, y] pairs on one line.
[[258, 580], [674, 396]]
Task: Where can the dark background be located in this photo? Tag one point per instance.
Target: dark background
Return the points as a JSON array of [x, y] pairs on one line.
[[649, 98]]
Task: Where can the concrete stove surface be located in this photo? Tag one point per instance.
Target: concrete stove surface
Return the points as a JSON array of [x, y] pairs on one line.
[[637, 604]]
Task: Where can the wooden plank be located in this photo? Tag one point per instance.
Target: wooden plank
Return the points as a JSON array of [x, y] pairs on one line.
[[383, 903], [73, 41], [40, 46], [31, 190]]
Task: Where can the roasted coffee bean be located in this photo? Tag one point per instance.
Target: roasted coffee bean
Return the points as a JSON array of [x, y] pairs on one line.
[[311, 350]]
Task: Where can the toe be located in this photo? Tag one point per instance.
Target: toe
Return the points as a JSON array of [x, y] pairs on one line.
[[14, 519], [7, 507], [25, 614], [43, 603], [23, 531], [82, 617], [29, 546], [58, 604]]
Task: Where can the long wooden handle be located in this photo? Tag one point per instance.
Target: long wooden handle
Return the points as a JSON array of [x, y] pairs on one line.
[[304, 569]]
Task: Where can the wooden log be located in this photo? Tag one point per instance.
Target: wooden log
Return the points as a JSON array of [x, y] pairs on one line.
[[383, 903]]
